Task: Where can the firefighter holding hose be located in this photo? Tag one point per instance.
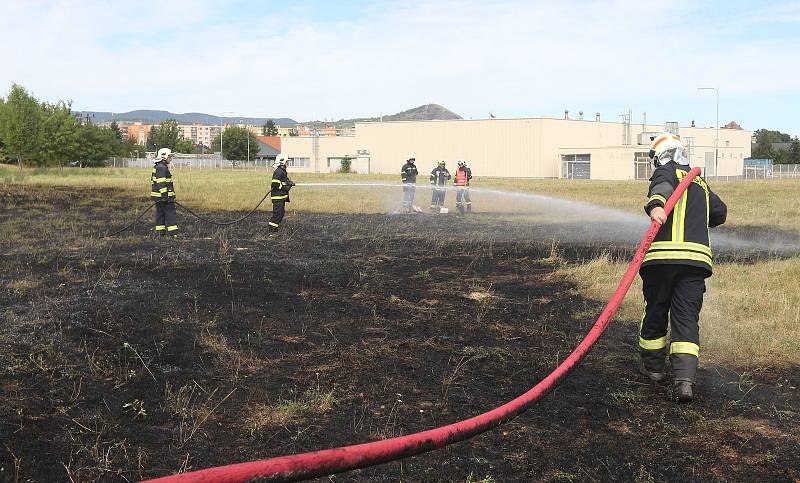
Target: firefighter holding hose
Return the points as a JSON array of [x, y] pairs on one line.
[[163, 192], [675, 268], [439, 177], [280, 186], [461, 181]]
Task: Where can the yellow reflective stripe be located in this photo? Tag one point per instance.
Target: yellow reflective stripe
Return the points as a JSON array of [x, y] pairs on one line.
[[273, 224], [682, 228], [657, 198], [171, 193], [155, 193], [162, 180], [698, 257], [653, 344], [172, 227], [668, 245], [280, 197], [160, 227], [280, 183], [684, 348]]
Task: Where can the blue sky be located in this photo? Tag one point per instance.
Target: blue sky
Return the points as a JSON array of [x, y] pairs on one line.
[[326, 59]]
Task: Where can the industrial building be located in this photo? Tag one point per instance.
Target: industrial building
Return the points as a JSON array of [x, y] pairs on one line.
[[523, 148]]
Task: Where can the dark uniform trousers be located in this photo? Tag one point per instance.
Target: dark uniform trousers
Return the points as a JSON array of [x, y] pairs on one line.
[[165, 217], [409, 190], [462, 192], [278, 210], [437, 199], [673, 297]]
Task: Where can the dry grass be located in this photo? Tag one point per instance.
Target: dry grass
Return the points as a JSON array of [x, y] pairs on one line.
[[751, 314], [759, 203]]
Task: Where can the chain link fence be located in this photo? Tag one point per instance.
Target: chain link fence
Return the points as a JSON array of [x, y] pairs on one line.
[[199, 162]]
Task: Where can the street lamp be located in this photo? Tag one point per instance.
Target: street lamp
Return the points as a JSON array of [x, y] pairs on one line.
[[222, 129], [716, 140]]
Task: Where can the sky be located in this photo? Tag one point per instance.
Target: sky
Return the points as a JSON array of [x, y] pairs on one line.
[[340, 59]]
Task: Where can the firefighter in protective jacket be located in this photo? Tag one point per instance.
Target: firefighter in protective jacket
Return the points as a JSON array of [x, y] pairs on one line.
[[408, 175], [163, 191], [439, 177], [280, 186], [461, 181], [675, 268]]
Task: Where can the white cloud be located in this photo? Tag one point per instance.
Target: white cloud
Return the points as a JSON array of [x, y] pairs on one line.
[[515, 57]]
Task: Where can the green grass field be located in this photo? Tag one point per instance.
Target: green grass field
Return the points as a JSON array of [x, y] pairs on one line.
[[752, 313]]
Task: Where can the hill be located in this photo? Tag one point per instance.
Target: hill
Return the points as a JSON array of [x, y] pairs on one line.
[[427, 112], [156, 116]]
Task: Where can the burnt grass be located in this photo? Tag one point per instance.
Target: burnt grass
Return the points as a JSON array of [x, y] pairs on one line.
[[133, 357]]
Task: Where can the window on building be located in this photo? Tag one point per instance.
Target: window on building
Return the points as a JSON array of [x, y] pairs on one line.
[[576, 166], [299, 162], [642, 165]]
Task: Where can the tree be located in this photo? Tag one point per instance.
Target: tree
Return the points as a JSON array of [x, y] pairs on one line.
[[116, 130], [95, 145], [59, 142], [346, 165], [269, 129], [185, 146], [794, 152], [232, 142], [129, 147], [165, 135], [20, 124]]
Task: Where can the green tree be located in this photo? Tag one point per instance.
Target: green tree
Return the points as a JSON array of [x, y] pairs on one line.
[[20, 125], [116, 130], [185, 146], [129, 147], [165, 135], [346, 165], [794, 152], [95, 145], [269, 129], [234, 141], [59, 143]]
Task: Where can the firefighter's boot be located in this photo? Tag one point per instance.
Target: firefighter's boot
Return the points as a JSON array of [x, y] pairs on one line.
[[652, 363], [469, 207], [460, 207], [684, 371]]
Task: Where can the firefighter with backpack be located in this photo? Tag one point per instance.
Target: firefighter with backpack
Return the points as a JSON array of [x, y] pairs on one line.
[[461, 182]]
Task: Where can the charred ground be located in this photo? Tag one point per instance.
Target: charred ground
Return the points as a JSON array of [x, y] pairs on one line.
[[130, 358]]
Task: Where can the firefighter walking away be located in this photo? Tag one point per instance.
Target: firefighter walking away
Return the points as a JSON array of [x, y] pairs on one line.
[[462, 179], [408, 175], [439, 177], [675, 268], [280, 186], [162, 191]]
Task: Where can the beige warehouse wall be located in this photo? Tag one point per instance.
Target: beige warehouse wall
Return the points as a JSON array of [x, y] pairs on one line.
[[512, 147]]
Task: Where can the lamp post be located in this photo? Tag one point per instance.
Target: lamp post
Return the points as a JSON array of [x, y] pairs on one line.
[[716, 140]]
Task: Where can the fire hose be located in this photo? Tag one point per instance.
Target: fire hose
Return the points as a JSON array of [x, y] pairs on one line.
[[188, 210], [336, 460]]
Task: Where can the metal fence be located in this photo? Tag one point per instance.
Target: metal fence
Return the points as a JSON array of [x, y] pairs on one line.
[[207, 162], [786, 171]]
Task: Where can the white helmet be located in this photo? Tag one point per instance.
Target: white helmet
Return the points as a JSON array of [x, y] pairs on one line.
[[461, 162], [411, 157], [280, 160], [662, 143], [163, 153]]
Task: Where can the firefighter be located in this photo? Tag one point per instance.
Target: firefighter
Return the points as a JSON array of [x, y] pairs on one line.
[[280, 186], [408, 175], [163, 191], [675, 268], [461, 182], [439, 177]]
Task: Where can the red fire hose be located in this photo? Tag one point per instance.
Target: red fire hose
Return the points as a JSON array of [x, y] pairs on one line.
[[336, 460]]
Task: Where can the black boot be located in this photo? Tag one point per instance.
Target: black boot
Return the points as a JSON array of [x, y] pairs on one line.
[[652, 363], [684, 371]]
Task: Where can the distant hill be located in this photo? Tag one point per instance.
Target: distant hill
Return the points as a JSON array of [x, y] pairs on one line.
[[155, 117], [427, 112]]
